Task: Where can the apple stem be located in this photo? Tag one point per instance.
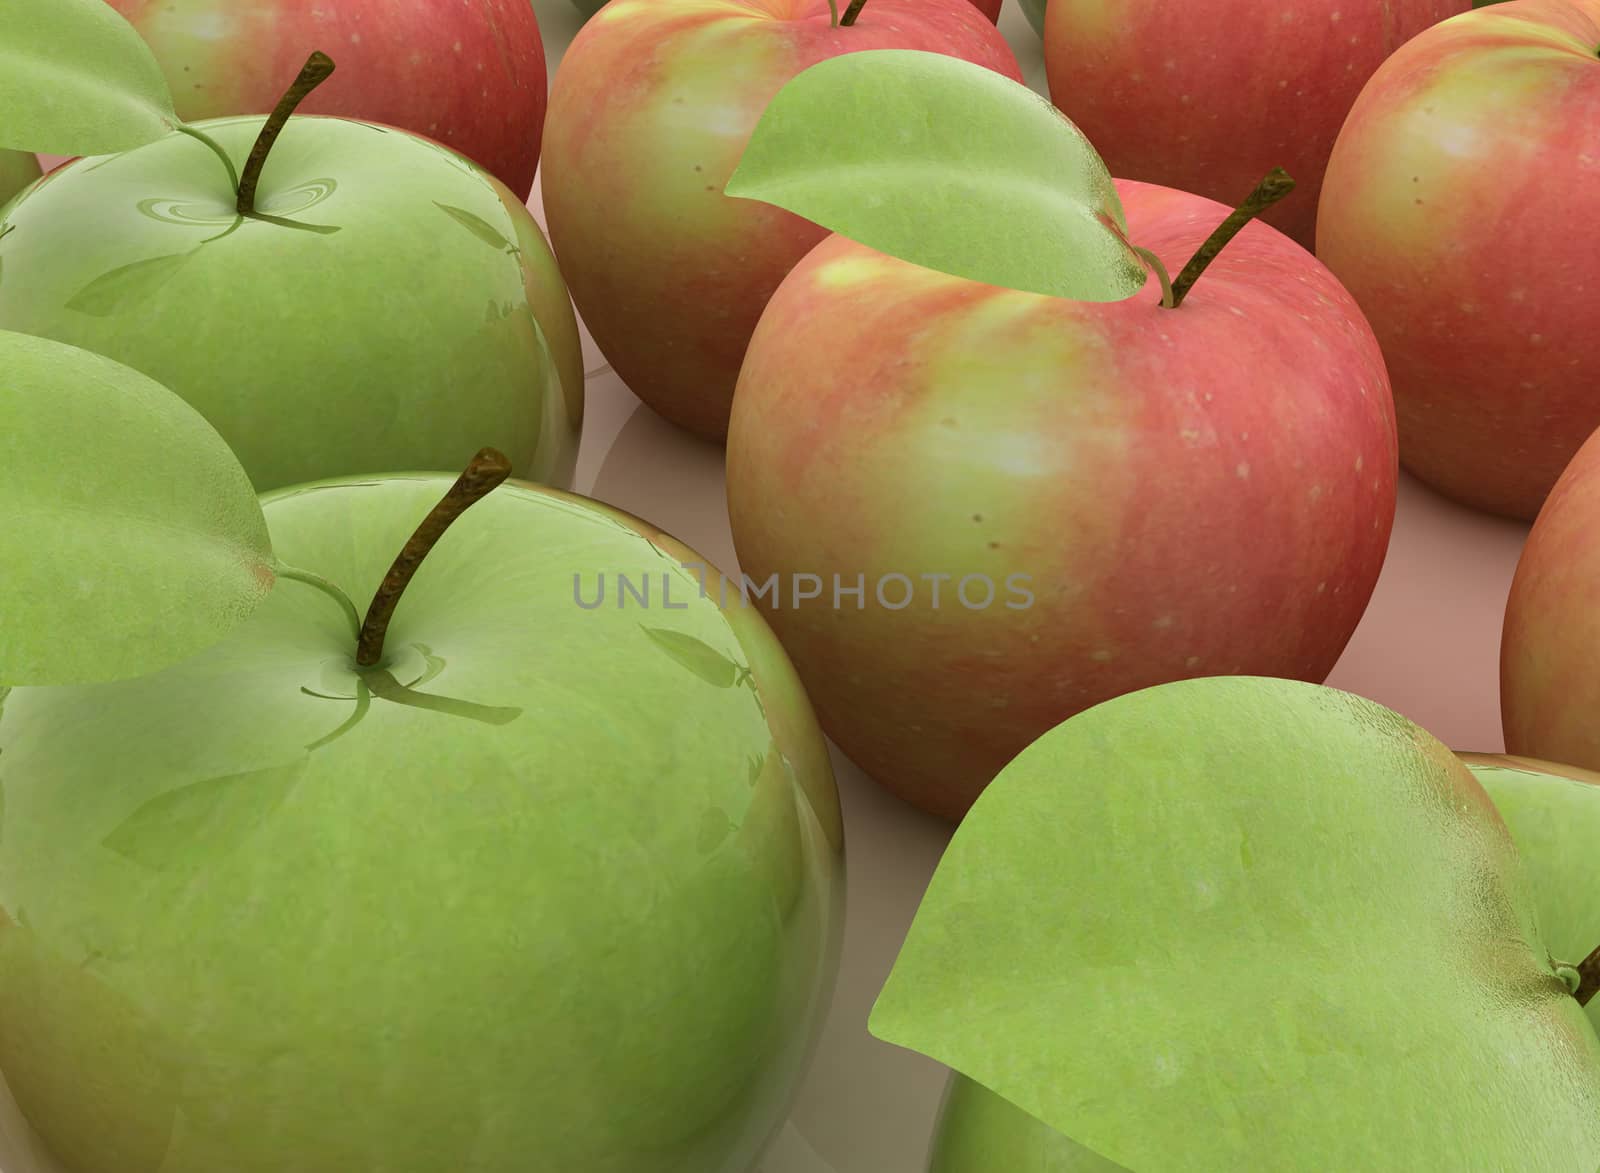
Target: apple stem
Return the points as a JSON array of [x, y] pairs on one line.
[[216, 149], [1588, 978], [295, 574], [852, 12], [833, 13], [487, 469], [317, 69], [1277, 184]]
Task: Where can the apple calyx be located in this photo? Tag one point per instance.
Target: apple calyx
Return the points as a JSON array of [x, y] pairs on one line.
[[486, 470], [317, 69], [1276, 184]]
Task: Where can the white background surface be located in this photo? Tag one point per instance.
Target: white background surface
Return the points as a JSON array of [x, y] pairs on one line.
[[1428, 647]]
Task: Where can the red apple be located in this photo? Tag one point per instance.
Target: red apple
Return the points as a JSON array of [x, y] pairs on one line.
[[1206, 95], [649, 114], [1458, 209], [471, 75], [1549, 668], [1134, 494]]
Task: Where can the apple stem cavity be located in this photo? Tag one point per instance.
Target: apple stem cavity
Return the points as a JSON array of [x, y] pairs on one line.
[[487, 469], [1588, 978], [295, 574], [318, 68], [216, 149], [1277, 184], [852, 12]]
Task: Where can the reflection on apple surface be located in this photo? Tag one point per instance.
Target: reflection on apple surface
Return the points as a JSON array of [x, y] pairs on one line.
[[546, 884]]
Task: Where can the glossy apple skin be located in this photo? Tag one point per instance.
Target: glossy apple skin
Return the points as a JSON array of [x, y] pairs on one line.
[[570, 906], [649, 114], [1448, 213], [1209, 95], [17, 170], [469, 73], [409, 338], [980, 1132], [1549, 682], [1193, 492], [1553, 813]]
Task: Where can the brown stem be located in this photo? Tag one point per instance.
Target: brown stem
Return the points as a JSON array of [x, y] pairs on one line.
[[1277, 184], [1588, 978], [488, 469], [317, 69], [851, 13]]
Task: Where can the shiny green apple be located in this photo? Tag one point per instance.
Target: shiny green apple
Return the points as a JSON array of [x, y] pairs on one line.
[[381, 310], [17, 170], [550, 886], [1553, 812]]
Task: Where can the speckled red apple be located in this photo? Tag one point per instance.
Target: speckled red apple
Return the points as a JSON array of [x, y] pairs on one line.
[[1458, 210], [649, 114], [468, 73], [1197, 491], [1206, 95], [1549, 672]]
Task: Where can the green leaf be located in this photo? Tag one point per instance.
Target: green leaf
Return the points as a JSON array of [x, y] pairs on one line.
[[947, 165], [1239, 923], [76, 79], [183, 829], [1554, 815], [131, 537], [696, 655]]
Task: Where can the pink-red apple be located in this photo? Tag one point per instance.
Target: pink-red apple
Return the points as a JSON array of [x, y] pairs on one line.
[[1459, 210], [1206, 95], [1550, 645], [649, 114], [469, 74], [1047, 502]]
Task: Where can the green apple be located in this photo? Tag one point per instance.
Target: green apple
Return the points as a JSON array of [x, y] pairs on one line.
[[17, 170], [380, 304], [543, 886], [1553, 812], [1247, 923]]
